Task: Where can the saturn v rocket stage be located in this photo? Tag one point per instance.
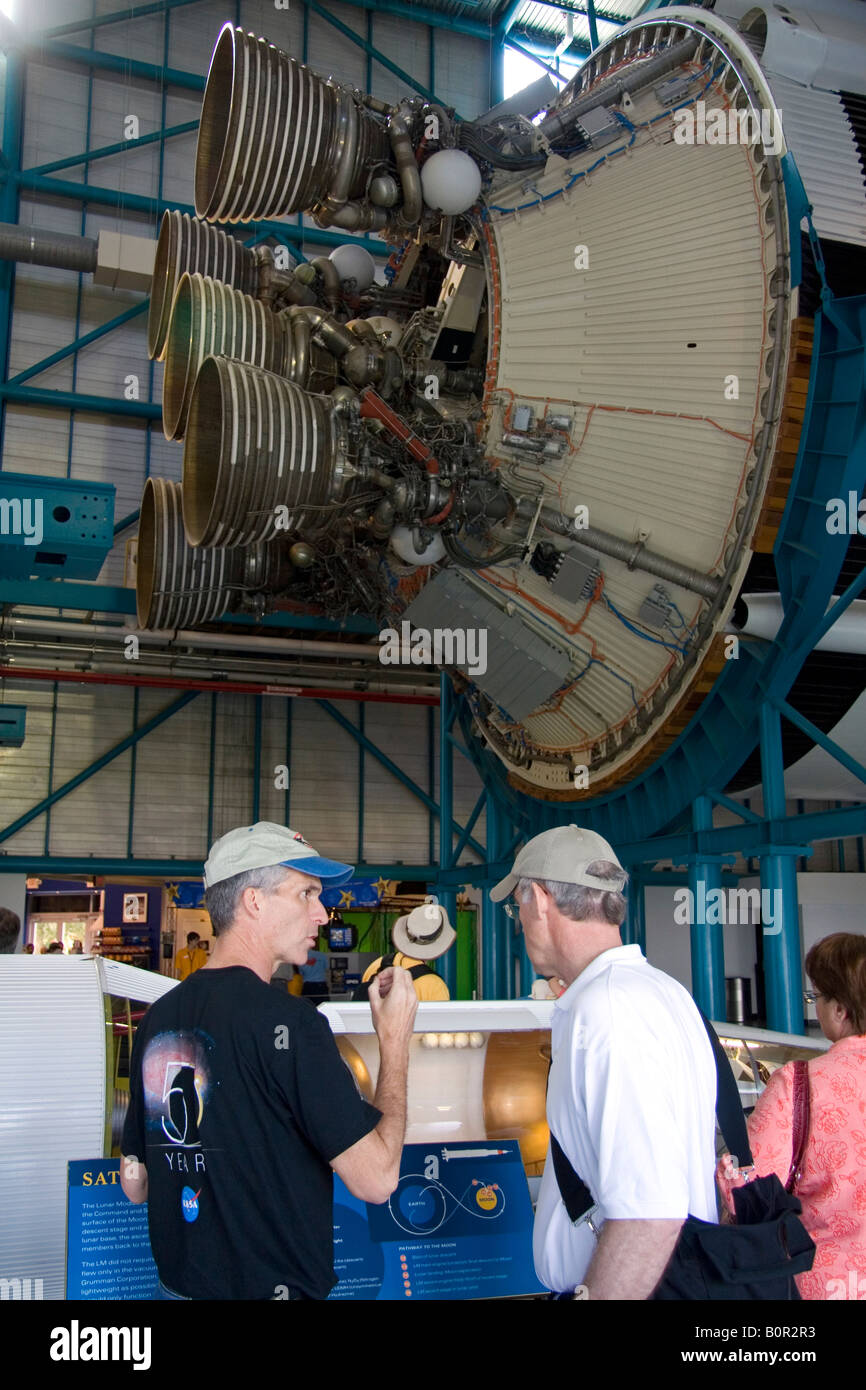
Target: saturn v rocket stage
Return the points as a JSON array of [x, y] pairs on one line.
[[568, 419]]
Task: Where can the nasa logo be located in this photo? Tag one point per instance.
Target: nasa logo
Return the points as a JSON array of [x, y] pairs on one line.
[[189, 1203]]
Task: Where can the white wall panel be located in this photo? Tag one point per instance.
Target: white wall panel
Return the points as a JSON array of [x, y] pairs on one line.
[[324, 780], [405, 44], [463, 73], [171, 779]]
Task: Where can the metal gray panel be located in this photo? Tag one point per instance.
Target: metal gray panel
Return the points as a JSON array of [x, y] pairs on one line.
[[523, 670]]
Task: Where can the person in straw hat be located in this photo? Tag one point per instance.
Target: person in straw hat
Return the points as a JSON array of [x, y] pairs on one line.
[[420, 936]]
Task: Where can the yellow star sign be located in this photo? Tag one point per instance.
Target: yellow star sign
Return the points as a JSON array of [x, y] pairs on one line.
[[346, 898], [381, 886], [173, 890]]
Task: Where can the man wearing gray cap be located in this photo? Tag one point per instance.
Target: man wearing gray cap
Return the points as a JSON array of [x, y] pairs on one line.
[[632, 1086], [240, 1105]]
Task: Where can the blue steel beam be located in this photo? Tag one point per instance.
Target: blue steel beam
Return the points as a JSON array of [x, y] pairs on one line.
[[126, 521], [506, 22], [395, 771], [533, 58], [593, 36], [373, 52], [257, 756], [783, 965], [76, 400], [53, 50], [823, 741], [60, 865], [80, 778], [45, 362], [742, 811], [707, 941], [120, 147], [422, 14], [116, 17], [13, 125], [139, 202], [469, 827]]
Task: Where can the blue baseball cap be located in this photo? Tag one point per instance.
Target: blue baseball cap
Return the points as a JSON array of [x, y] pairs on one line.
[[264, 845]]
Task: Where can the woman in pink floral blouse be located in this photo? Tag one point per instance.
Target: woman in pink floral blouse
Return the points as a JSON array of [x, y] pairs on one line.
[[832, 1185]]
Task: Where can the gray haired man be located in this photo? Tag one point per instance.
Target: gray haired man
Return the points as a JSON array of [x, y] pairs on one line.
[[631, 1095], [240, 1105]]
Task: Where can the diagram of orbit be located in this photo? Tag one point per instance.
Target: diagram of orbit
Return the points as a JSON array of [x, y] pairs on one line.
[[420, 1205]]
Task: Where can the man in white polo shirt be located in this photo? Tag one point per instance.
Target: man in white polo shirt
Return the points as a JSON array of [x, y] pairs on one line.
[[632, 1089]]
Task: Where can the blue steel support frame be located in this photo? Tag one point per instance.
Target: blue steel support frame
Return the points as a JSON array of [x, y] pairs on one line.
[[370, 50], [497, 961], [783, 965], [392, 767], [707, 939], [634, 926], [447, 964], [116, 17], [91, 770], [13, 126]]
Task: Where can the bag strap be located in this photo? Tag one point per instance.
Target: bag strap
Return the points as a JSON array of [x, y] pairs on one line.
[[729, 1107], [801, 1107], [576, 1196]]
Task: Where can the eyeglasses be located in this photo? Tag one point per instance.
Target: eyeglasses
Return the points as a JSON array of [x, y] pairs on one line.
[[810, 995]]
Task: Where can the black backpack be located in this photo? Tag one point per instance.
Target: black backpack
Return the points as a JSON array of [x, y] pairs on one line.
[[362, 993]]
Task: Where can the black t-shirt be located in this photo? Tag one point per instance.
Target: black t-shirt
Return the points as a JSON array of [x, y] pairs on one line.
[[238, 1100]]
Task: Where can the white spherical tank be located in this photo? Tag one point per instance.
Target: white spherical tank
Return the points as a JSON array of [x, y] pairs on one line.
[[403, 544], [450, 181], [355, 266]]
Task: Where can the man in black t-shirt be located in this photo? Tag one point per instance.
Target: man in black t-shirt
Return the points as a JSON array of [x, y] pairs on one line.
[[240, 1104]]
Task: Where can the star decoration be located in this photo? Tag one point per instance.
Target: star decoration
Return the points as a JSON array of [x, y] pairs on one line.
[[173, 892], [381, 886], [346, 898]]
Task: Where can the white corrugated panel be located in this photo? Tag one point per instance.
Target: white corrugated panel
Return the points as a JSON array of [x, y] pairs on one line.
[[52, 1104], [171, 779], [91, 720], [324, 780], [822, 142]]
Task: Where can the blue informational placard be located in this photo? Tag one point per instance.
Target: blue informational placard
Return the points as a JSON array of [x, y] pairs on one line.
[[458, 1225], [107, 1243]]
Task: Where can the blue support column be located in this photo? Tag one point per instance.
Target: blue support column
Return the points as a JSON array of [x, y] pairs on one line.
[[707, 938], [257, 756], [446, 965], [13, 122], [783, 963], [495, 933], [211, 774], [634, 926], [361, 774]]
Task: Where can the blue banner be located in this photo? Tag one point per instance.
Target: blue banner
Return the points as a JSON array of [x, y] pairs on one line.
[[107, 1242], [458, 1225]]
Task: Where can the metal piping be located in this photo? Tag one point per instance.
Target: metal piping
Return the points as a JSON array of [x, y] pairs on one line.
[[36, 246], [297, 692], [558, 122], [329, 273], [632, 554], [410, 178], [357, 651]]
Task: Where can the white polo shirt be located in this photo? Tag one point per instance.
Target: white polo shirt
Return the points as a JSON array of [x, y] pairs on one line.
[[631, 1099]]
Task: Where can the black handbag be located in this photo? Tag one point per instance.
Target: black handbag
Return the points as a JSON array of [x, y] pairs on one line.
[[757, 1257]]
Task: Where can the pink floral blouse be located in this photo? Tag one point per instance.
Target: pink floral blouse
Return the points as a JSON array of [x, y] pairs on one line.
[[832, 1187]]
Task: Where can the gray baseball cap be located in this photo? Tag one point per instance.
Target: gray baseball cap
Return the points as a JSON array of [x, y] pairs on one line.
[[265, 844], [563, 855]]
